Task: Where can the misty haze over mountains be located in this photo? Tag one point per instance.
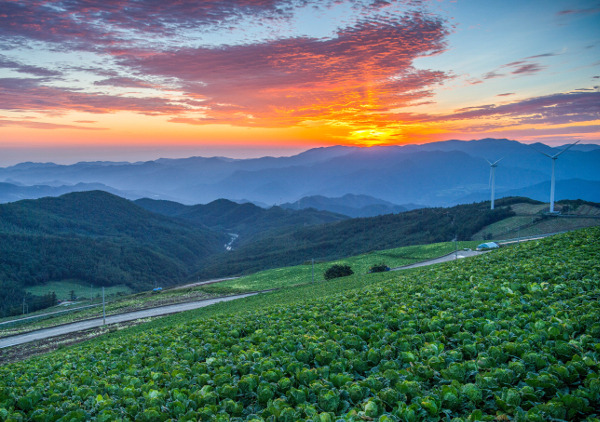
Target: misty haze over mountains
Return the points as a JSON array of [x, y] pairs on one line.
[[434, 174]]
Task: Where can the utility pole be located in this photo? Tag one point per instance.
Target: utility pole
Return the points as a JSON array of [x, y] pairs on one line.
[[103, 308], [455, 249]]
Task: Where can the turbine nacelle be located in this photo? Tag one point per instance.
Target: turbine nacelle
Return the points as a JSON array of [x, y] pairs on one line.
[[552, 181], [495, 163]]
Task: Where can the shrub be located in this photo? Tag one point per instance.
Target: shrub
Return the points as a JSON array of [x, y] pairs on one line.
[[337, 270], [379, 268]]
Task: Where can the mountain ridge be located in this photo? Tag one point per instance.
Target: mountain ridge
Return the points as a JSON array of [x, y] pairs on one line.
[[247, 221], [351, 205], [433, 174]]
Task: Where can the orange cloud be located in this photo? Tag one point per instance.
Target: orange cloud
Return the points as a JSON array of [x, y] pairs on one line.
[[356, 78]]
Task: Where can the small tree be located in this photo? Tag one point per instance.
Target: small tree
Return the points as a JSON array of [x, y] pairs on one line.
[[337, 270], [72, 295]]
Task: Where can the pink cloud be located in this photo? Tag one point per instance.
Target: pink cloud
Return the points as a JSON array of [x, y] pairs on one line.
[[23, 68], [552, 109], [100, 24], [43, 125], [30, 95], [493, 74], [527, 69], [518, 67], [364, 69], [124, 83]]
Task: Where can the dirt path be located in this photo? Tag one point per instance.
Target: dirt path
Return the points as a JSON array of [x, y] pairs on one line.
[[112, 319]]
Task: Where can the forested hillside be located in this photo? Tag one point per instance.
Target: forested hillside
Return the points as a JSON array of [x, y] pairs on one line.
[[101, 239], [247, 220], [359, 235], [97, 238]]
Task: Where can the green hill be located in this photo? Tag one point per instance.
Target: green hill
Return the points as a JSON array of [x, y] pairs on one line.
[[247, 220], [509, 335], [512, 218], [96, 238], [356, 236], [101, 239]]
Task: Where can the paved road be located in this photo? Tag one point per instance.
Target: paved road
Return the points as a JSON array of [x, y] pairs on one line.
[[466, 254], [113, 319], [38, 316], [450, 257]]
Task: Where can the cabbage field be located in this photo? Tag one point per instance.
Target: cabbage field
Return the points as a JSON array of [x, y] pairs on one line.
[[510, 335]]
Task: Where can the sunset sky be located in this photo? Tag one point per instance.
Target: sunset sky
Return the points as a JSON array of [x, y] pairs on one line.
[[136, 80]]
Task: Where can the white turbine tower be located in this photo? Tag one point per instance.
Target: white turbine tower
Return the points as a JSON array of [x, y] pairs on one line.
[[493, 178], [552, 181]]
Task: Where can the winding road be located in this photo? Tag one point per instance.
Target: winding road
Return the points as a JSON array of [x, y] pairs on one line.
[[112, 319], [450, 257]]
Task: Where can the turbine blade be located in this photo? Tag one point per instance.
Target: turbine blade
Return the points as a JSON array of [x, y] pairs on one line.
[[490, 181], [540, 152], [489, 162], [565, 150], [497, 161]]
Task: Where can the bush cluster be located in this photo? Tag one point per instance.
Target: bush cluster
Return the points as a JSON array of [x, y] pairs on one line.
[[338, 270]]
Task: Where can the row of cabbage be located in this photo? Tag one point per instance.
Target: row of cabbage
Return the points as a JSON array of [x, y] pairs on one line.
[[510, 335]]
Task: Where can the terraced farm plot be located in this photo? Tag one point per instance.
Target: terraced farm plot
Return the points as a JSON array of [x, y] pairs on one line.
[[512, 335], [302, 274]]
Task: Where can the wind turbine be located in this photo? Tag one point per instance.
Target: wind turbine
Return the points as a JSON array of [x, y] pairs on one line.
[[493, 177], [552, 182]]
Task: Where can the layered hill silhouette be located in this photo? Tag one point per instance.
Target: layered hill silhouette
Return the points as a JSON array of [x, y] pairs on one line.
[[360, 235], [101, 239], [247, 221], [434, 174], [350, 205]]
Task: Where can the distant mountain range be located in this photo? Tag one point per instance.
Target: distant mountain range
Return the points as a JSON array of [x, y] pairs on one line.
[[434, 174], [351, 205], [11, 192]]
